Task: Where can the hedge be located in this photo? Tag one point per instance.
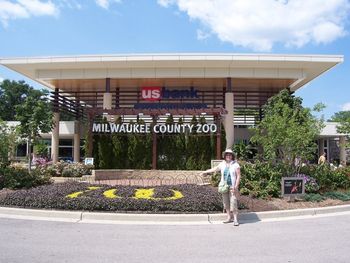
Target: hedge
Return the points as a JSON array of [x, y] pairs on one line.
[[166, 199]]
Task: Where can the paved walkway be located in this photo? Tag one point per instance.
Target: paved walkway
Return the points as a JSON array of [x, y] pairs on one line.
[[314, 240]]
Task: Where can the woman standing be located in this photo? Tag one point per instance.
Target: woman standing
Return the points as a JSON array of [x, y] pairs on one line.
[[231, 174]]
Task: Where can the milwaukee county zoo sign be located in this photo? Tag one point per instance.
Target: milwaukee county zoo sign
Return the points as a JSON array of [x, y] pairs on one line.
[[157, 128]]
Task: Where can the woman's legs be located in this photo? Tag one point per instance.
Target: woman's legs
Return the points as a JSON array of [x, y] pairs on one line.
[[234, 207], [226, 200]]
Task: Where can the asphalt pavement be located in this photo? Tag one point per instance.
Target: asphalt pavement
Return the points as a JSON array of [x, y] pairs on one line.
[[319, 239]]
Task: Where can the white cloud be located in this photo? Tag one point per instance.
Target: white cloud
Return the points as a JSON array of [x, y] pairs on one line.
[[346, 107], [259, 25], [1, 79], [105, 3], [21, 9], [72, 4], [39, 8], [201, 35], [166, 3]]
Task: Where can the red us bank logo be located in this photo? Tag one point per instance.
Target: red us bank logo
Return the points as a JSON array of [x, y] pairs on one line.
[[158, 93], [151, 93]]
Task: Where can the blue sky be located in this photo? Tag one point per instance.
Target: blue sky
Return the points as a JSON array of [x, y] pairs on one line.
[[71, 27]]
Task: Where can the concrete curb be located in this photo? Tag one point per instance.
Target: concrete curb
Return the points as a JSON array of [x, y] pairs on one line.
[[23, 212], [124, 218], [147, 218]]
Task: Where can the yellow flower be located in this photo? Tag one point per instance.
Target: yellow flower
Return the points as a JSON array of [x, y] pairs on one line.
[[148, 194], [111, 193], [144, 193], [139, 194], [177, 195], [77, 194], [74, 195], [93, 187]]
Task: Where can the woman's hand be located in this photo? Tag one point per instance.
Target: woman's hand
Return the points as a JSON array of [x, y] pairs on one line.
[[203, 174], [234, 190]]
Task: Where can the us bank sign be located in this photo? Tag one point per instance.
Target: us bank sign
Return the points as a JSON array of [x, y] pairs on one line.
[[157, 128], [158, 94]]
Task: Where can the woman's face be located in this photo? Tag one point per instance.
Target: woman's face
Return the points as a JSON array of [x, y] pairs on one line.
[[228, 157]]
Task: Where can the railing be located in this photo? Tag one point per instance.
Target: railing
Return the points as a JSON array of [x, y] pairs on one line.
[[247, 103]]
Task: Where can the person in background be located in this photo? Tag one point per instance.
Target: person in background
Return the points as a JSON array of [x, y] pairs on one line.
[[231, 173], [342, 164], [322, 159]]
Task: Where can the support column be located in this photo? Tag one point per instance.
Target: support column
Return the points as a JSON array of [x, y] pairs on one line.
[[107, 101], [320, 147], [76, 155], [342, 148], [55, 137], [154, 144], [89, 136], [107, 98], [228, 119], [218, 138]]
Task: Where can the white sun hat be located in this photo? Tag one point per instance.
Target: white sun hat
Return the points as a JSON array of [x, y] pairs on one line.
[[227, 151]]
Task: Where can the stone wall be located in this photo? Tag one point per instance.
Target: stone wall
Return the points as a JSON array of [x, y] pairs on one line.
[[175, 175]]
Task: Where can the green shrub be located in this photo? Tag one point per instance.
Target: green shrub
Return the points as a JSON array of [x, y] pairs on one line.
[[215, 179], [327, 178], [343, 196], [2, 180], [66, 169], [40, 148], [338, 195], [261, 179], [314, 198], [76, 170], [17, 178]]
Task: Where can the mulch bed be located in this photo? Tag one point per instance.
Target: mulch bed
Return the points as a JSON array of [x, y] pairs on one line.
[[259, 205]]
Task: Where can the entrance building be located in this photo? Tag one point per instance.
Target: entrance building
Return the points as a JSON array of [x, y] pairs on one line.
[[228, 89]]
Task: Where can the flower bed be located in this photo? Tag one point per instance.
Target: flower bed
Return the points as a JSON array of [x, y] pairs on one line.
[[83, 196]]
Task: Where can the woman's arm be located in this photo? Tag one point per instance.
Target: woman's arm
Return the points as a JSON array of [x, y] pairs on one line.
[[212, 170], [238, 178]]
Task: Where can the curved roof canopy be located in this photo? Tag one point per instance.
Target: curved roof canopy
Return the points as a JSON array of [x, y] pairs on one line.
[[73, 72]]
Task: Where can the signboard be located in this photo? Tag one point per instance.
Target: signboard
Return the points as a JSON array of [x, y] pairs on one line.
[[215, 163], [157, 128], [173, 98], [293, 186], [89, 161], [158, 93]]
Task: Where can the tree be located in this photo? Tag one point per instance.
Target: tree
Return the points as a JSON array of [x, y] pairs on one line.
[[288, 130], [12, 93], [204, 148], [120, 148], [8, 138], [343, 117], [191, 147], [167, 148], [139, 150], [35, 116]]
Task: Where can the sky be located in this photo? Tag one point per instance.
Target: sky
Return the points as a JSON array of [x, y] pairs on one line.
[[78, 27]]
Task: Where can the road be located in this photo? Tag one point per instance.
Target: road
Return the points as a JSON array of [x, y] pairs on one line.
[[321, 239]]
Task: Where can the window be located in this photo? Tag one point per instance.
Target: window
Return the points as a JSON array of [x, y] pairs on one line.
[[21, 150]]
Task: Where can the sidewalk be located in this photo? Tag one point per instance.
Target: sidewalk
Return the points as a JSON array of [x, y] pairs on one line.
[[192, 219]]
